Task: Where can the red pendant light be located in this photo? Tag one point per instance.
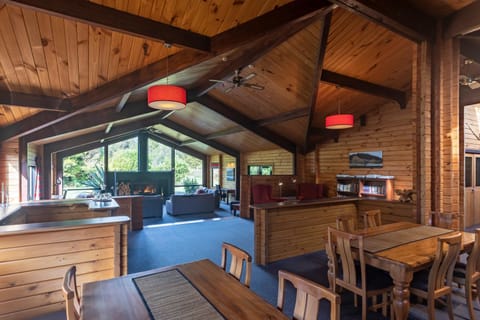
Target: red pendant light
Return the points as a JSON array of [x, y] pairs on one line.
[[167, 97], [339, 121]]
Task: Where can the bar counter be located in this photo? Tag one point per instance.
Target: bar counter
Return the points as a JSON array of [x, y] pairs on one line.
[[40, 240], [295, 227]]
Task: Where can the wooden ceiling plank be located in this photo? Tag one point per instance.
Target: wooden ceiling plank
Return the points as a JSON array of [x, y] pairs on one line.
[[19, 99], [464, 21], [78, 122], [364, 86], [246, 122], [397, 16], [120, 21], [188, 132], [256, 49], [91, 99], [288, 14], [324, 31]]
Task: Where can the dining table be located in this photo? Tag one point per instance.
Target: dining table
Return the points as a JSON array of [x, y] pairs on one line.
[[402, 248], [195, 290]]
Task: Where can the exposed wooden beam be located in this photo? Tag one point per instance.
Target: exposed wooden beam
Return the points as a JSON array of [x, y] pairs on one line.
[[325, 29], [288, 14], [88, 119], [105, 93], [116, 20], [286, 116], [470, 48], [469, 96], [19, 99], [397, 16], [294, 18], [463, 21], [195, 135], [365, 87], [246, 122], [122, 102]]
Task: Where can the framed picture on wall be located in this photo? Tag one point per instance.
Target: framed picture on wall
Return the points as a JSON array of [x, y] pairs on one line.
[[260, 170], [230, 174]]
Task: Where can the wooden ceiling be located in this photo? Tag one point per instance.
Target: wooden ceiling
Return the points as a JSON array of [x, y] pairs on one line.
[[70, 70]]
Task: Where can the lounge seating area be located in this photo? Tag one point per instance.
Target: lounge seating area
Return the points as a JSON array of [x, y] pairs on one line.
[[190, 203]]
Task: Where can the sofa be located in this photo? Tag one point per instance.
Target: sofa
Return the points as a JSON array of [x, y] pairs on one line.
[[190, 203], [310, 191]]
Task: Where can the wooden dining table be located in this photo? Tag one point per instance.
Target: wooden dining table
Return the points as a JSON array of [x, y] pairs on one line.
[[401, 249], [195, 290]]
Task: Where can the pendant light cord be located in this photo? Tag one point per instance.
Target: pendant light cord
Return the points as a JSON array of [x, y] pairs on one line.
[[167, 45]]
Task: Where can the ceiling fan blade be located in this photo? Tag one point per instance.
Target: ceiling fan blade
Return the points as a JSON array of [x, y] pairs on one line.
[[253, 86], [227, 90], [250, 76], [219, 81]]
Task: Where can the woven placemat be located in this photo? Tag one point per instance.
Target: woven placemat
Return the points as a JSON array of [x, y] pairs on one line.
[[397, 238], [169, 295]]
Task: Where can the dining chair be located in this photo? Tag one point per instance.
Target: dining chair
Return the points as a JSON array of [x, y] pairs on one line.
[[239, 257], [372, 218], [70, 294], [366, 282], [308, 297], [468, 275], [347, 223], [437, 282]]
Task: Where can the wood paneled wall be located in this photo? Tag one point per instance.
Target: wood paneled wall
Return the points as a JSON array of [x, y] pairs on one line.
[[33, 263], [227, 162], [282, 161], [472, 127], [9, 169], [389, 129]]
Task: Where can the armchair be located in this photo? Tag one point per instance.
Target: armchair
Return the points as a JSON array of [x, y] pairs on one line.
[[309, 191], [262, 193]]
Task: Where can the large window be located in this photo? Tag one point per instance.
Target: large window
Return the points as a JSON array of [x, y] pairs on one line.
[[188, 172], [123, 155], [159, 156], [83, 171]]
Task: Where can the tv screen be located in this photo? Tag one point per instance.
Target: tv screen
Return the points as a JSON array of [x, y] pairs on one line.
[[366, 159], [260, 170]]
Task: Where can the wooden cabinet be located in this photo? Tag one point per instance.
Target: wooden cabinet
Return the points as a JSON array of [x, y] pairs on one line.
[[368, 186]]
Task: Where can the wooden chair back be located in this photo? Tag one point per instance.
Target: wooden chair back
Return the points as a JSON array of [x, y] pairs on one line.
[[347, 223], [70, 294], [308, 297], [448, 249], [239, 258], [372, 218], [339, 250]]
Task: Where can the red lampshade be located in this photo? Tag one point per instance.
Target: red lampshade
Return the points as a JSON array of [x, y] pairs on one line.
[[339, 121], [167, 97]]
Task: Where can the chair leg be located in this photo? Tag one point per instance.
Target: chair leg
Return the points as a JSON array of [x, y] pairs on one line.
[[450, 306], [469, 298], [431, 309], [384, 304], [364, 308]]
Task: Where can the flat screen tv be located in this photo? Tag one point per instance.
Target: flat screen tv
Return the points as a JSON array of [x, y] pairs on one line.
[[366, 159]]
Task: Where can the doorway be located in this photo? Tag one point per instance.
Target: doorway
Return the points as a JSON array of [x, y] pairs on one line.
[[472, 189]]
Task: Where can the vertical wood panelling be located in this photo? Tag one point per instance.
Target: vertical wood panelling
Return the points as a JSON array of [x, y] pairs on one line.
[[9, 169], [389, 129]]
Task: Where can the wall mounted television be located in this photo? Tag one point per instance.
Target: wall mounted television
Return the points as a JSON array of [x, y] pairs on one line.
[[366, 159]]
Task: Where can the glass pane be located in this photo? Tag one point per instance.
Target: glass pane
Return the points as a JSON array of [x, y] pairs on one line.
[[83, 171], [123, 155], [477, 172], [159, 156], [188, 171], [468, 171]]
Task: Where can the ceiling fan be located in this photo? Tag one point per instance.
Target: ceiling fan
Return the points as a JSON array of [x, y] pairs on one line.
[[239, 81], [473, 82]]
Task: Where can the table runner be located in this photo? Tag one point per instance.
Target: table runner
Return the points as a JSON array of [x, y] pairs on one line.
[[169, 295], [393, 239]]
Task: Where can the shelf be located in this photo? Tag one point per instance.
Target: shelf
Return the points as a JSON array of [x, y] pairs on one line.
[[366, 186]]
